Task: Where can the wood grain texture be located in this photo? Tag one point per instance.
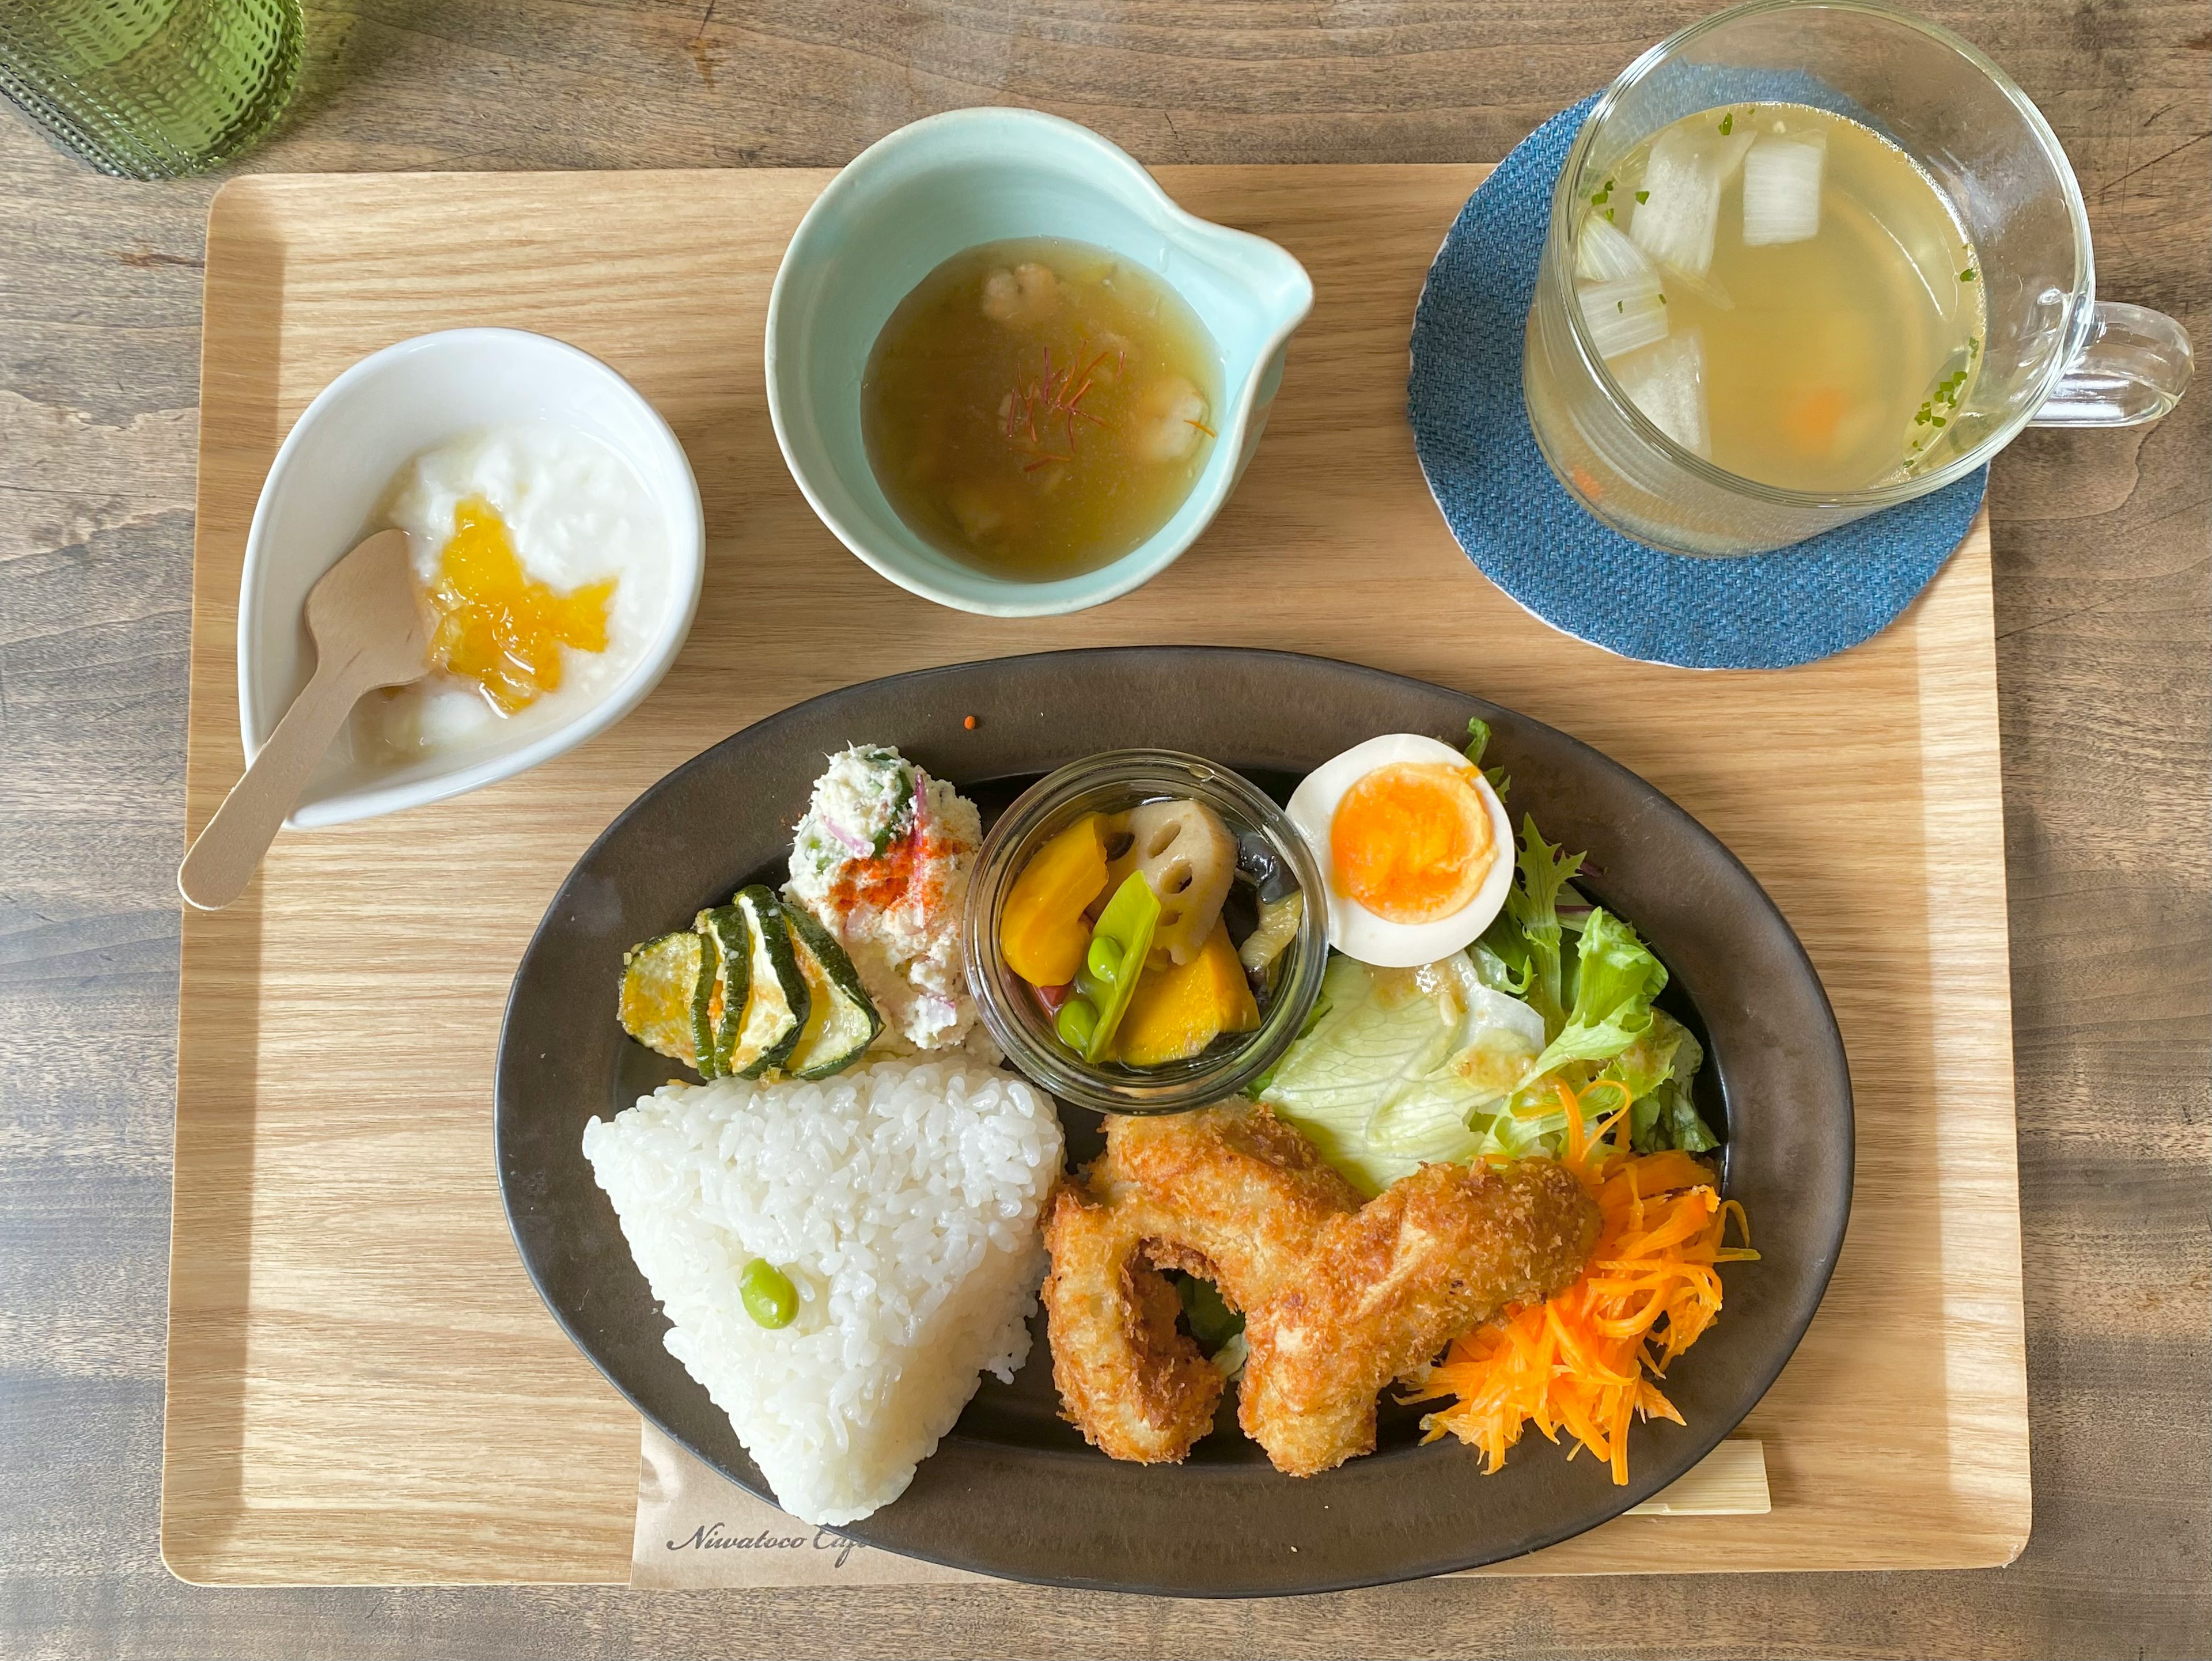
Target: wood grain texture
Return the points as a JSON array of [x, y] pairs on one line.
[[344, 1301], [2101, 590]]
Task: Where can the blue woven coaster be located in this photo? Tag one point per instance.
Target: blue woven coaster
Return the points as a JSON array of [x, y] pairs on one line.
[[1526, 534]]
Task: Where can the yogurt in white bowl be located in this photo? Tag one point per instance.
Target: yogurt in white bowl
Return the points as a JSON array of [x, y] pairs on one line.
[[588, 492]]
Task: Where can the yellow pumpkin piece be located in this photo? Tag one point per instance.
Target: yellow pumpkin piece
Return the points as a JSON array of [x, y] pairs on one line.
[[1178, 1010], [1043, 932]]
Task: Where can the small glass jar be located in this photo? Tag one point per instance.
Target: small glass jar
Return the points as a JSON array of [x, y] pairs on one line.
[[1108, 783]]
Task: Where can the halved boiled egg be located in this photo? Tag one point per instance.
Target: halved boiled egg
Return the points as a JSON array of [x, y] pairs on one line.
[[1414, 849]]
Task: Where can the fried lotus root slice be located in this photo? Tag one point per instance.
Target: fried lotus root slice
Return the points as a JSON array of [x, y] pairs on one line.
[[1189, 858]]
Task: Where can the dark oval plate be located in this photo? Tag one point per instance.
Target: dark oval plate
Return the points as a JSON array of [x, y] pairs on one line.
[[1014, 1491]]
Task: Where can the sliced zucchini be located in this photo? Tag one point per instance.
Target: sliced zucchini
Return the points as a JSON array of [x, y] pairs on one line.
[[725, 928], [660, 995], [842, 1021], [703, 1005], [777, 1001]]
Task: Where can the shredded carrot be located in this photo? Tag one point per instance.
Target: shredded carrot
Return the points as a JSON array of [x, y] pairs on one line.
[[1585, 1361]]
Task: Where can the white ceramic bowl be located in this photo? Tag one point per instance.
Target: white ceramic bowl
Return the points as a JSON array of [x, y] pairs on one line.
[[328, 476]]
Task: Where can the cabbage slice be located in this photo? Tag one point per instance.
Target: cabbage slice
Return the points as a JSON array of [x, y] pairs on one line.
[[1667, 382], [1678, 209], [1619, 287], [1625, 314], [1782, 189], [1605, 254], [1404, 1059]]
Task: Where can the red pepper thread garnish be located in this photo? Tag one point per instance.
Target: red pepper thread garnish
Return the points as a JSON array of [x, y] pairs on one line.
[[1054, 400]]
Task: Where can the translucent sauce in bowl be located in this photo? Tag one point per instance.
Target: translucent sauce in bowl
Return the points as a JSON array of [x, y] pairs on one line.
[[1037, 407]]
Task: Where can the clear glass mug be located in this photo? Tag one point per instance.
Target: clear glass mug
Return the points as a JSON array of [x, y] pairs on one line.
[[2054, 355]]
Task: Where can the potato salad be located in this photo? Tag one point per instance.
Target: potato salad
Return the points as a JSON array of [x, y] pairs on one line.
[[882, 859]]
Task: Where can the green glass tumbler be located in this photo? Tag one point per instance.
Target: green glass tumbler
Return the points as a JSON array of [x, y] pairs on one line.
[[151, 89]]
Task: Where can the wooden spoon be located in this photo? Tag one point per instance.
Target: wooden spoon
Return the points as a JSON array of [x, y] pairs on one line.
[[369, 631]]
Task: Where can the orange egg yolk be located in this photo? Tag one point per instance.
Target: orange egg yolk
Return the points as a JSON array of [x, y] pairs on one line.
[[498, 626], [1411, 841]]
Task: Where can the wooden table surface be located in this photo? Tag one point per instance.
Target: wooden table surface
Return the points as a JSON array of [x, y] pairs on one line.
[[2102, 588]]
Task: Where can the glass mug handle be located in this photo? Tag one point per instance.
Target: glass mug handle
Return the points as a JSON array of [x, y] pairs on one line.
[[2133, 368]]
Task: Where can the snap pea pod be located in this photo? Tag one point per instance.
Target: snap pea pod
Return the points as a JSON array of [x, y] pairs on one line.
[[1119, 945]]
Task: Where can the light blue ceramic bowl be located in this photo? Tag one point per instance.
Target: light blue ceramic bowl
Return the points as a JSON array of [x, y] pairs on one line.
[[910, 202]]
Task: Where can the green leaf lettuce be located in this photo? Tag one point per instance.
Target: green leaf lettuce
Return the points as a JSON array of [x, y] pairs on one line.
[[1616, 978]]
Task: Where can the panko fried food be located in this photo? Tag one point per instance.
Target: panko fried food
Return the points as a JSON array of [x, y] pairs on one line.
[[1338, 1297], [1230, 1192]]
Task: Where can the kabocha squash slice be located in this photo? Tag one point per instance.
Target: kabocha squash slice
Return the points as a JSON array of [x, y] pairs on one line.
[[1042, 929], [777, 999], [842, 1020], [1178, 1009], [661, 994], [724, 927]]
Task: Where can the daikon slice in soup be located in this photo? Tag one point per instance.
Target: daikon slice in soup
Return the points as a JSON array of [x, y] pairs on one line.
[[1784, 292]]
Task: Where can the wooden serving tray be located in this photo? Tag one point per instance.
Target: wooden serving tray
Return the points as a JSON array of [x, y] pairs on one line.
[[361, 1384]]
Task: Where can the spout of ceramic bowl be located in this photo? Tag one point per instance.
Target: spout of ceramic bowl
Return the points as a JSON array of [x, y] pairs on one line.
[[1277, 295]]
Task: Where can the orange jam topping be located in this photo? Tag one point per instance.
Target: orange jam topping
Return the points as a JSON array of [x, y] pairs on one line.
[[497, 624]]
